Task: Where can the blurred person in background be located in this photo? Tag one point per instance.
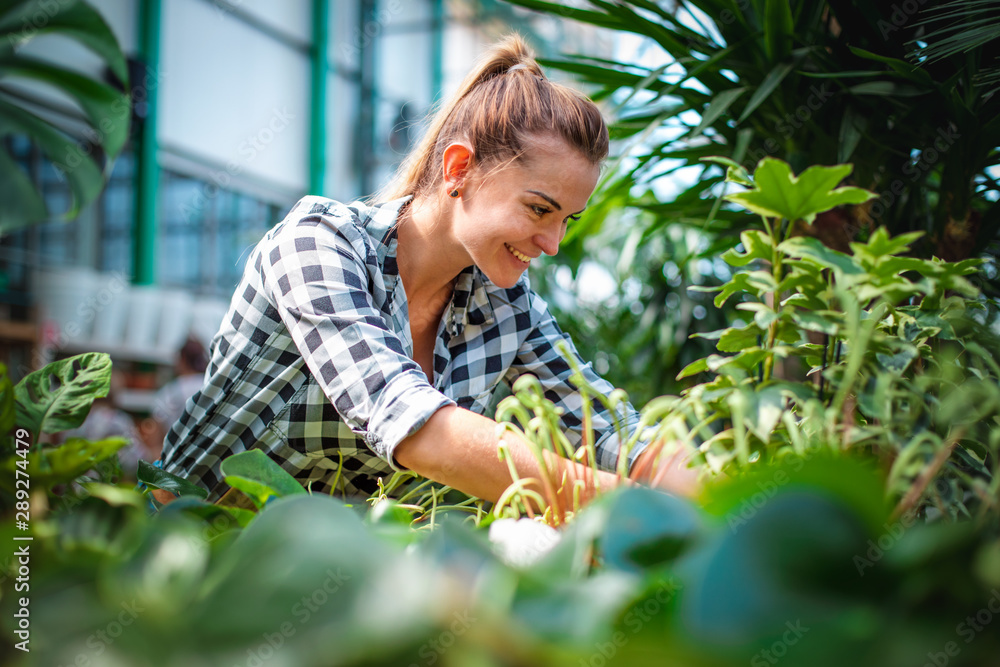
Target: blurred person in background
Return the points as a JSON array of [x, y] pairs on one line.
[[107, 420]]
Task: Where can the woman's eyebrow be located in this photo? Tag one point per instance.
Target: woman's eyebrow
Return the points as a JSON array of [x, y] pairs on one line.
[[547, 198]]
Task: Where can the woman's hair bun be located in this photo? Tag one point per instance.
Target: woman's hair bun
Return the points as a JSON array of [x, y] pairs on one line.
[[496, 110]]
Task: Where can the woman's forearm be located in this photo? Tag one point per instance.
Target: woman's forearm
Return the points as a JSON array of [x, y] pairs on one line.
[[459, 448]]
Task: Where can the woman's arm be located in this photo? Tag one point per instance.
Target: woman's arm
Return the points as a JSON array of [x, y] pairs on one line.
[[457, 447], [669, 472]]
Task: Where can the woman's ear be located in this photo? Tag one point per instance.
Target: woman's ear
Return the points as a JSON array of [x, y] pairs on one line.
[[457, 163]]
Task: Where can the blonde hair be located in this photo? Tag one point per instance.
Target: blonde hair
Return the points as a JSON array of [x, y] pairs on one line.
[[505, 99]]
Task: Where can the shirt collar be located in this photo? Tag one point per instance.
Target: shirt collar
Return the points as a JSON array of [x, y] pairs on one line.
[[470, 303], [381, 226], [470, 300]]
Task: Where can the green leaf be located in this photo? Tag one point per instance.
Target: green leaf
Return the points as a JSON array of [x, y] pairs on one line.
[[650, 528], [20, 203], [852, 127], [737, 340], [158, 478], [746, 360], [49, 466], [907, 70], [880, 244], [256, 474], [826, 322], [735, 173], [718, 106], [757, 245], [105, 108], [779, 194], [698, 366], [899, 361], [764, 316], [75, 20], [769, 406], [886, 89], [807, 247], [779, 29], [81, 171], [58, 397], [767, 86], [7, 412]]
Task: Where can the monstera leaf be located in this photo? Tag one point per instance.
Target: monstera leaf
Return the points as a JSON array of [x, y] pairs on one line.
[[103, 107]]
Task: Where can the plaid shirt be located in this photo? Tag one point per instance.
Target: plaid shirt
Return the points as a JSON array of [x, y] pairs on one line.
[[313, 362]]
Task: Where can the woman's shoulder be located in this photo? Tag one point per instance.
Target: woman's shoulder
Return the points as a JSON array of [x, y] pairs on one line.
[[365, 226], [314, 210]]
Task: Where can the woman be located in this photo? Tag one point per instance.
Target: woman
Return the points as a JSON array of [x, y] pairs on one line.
[[368, 338]]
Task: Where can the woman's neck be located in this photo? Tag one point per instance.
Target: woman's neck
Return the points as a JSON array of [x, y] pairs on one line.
[[428, 257]]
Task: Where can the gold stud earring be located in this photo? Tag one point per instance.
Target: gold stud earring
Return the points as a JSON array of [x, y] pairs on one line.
[[454, 193]]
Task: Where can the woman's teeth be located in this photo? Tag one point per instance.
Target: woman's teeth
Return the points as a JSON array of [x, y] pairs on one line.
[[521, 256]]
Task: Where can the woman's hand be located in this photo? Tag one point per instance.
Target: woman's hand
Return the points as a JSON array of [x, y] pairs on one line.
[[666, 466]]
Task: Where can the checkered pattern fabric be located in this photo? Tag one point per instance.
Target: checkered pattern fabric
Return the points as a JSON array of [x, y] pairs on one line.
[[313, 362]]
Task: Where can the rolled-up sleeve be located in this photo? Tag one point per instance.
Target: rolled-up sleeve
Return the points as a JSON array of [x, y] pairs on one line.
[[316, 273], [539, 356]]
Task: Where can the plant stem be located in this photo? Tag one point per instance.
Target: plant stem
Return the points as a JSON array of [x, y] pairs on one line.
[[920, 485], [772, 331]]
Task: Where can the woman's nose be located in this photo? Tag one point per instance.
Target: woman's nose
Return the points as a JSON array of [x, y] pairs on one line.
[[548, 241]]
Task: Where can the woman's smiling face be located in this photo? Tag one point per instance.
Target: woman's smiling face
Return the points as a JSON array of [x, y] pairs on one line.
[[511, 215]]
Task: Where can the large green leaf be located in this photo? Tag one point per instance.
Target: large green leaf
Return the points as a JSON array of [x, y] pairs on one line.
[[158, 478], [650, 528], [20, 203], [256, 474], [58, 397], [74, 19], [105, 109], [81, 171], [781, 194]]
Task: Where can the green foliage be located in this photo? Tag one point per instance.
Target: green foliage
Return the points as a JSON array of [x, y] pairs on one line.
[[104, 108], [55, 398], [636, 579], [58, 397], [813, 83], [873, 353], [876, 351]]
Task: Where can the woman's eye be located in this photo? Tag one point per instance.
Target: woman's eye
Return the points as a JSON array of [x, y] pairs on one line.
[[539, 210], [572, 218]]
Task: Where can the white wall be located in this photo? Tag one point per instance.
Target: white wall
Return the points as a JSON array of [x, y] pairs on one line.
[[341, 134], [233, 95], [292, 17]]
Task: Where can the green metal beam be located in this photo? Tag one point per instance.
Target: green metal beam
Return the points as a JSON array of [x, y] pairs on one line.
[[318, 110], [368, 94], [147, 184], [437, 48]]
